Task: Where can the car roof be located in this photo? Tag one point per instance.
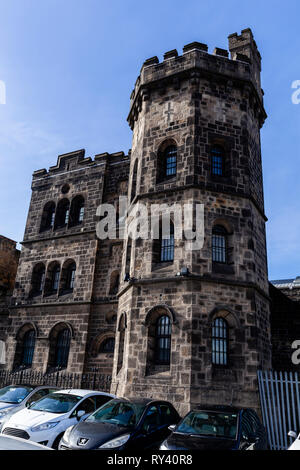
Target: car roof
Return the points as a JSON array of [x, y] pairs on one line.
[[32, 386], [142, 401], [221, 408], [82, 393]]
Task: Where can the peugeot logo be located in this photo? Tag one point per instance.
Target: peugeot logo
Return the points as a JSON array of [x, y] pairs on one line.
[[82, 441]]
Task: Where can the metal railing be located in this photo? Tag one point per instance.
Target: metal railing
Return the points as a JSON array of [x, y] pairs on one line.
[[90, 381], [280, 404]]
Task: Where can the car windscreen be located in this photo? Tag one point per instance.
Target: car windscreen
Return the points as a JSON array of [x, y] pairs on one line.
[[56, 403], [209, 423], [14, 394], [118, 412]]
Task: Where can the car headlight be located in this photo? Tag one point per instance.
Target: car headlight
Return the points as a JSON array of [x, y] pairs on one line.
[[44, 427], [67, 433], [4, 412], [118, 442], [164, 446]]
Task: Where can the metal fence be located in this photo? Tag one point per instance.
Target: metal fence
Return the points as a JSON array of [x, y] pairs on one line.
[[280, 404], [90, 381]]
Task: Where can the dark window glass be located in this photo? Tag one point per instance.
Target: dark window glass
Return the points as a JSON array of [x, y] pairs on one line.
[[48, 216], [134, 181], [167, 246], [168, 415], [55, 278], [152, 420], [101, 400], [87, 405], [219, 245], [107, 346], [170, 157], [62, 348], [217, 161], [71, 276], [163, 340], [28, 348], [14, 393], [220, 342], [38, 280], [37, 396], [209, 423]]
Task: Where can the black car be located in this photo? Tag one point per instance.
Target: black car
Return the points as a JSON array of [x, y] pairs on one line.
[[123, 424], [218, 428]]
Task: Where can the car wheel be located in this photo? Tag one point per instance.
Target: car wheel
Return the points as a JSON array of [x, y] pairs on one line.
[[57, 441]]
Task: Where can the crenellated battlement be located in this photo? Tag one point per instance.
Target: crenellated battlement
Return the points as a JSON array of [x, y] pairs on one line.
[[74, 161], [243, 65]]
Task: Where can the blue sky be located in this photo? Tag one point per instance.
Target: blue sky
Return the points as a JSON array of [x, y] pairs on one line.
[[69, 67]]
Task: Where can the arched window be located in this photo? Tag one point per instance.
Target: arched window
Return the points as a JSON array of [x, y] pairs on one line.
[[167, 244], [217, 161], [48, 217], [62, 348], [167, 163], [76, 211], [38, 279], [107, 346], [28, 348], [67, 278], [52, 278], [134, 181], [219, 244], [220, 342], [163, 340], [62, 213]]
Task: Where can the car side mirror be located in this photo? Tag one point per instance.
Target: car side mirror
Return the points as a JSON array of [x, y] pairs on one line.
[[292, 434], [28, 405], [79, 414], [172, 427]]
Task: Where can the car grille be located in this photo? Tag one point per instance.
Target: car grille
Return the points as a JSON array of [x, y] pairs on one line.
[[16, 433]]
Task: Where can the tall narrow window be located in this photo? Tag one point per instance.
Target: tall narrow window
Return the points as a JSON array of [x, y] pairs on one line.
[[71, 276], [48, 217], [55, 278], [219, 244], [170, 161], [28, 348], [134, 181], [62, 214], [163, 340], [220, 342], [38, 279], [121, 329], [76, 211], [167, 245], [62, 348], [217, 161]]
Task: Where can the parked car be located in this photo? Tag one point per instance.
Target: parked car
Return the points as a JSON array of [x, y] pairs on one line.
[[217, 428], [16, 443], [296, 443], [14, 398], [136, 423], [46, 420]]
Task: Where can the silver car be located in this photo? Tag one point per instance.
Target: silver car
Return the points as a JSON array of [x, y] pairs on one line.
[[14, 398]]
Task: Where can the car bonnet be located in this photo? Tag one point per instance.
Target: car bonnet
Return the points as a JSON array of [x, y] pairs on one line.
[[27, 418], [96, 433]]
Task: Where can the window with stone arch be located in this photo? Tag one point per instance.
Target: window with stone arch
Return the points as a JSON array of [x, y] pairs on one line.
[[48, 216], [107, 346], [25, 346], [52, 278], [220, 342], [167, 161], [60, 342], [159, 322], [38, 279], [68, 277], [76, 211], [62, 214]]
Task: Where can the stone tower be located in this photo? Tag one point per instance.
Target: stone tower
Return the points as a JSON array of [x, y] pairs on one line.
[[206, 111]]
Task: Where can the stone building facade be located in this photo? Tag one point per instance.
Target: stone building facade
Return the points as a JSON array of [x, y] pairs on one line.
[[111, 304]]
